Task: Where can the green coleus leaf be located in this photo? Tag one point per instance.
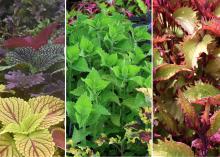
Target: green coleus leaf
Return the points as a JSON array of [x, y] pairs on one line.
[[86, 46], [157, 59], [80, 65], [142, 6], [101, 110], [83, 108], [186, 18], [215, 123], [73, 53], [116, 119], [141, 34], [38, 143], [79, 135], [95, 82], [166, 71], [193, 48], [7, 147], [191, 117], [172, 149], [200, 90], [108, 60]]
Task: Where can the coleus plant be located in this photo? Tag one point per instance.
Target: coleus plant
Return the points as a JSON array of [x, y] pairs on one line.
[[186, 78], [108, 86], [27, 126]]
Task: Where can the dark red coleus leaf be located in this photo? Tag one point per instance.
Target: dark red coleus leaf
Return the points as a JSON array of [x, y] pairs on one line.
[[58, 135], [214, 100], [34, 42], [59, 40], [213, 26], [145, 136]]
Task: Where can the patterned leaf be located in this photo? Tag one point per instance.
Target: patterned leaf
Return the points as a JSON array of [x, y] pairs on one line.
[[13, 110], [215, 123], [7, 146], [172, 149], [54, 105], [39, 60], [193, 48], [200, 90], [191, 118], [17, 79], [35, 144], [166, 71], [186, 17]]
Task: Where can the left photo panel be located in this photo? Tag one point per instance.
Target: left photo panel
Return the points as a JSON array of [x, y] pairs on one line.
[[32, 78]]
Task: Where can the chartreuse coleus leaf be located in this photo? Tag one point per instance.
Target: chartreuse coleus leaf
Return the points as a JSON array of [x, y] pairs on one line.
[[193, 48], [215, 123], [166, 71], [54, 106], [217, 11], [36, 144], [172, 149], [13, 110], [191, 117], [95, 82], [7, 146], [200, 90], [83, 108], [29, 123], [186, 18]]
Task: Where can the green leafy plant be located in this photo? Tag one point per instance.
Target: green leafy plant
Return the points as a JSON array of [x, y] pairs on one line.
[[26, 126], [108, 86], [186, 78]]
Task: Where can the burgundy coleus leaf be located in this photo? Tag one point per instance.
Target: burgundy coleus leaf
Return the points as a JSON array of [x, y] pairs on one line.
[[215, 138], [145, 136], [59, 40], [213, 26], [58, 135], [17, 79], [214, 101], [34, 42]]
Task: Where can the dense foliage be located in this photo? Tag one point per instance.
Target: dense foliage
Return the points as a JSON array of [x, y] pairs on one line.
[[32, 108], [108, 83], [186, 78]]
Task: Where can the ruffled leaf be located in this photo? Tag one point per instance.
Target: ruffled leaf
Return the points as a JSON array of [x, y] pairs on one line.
[[186, 18], [172, 149], [13, 110], [55, 107], [7, 146], [200, 90], [166, 71], [193, 48], [215, 123], [191, 118], [35, 144]]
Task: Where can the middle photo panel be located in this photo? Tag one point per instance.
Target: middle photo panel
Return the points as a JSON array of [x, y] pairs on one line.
[[109, 75]]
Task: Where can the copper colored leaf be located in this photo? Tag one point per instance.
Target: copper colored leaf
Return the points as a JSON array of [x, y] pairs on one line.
[[54, 105], [215, 123], [35, 144], [13, 110], [58, 135], [191, 118]]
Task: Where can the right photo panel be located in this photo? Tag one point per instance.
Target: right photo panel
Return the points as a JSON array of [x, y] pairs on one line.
[[186, 58]]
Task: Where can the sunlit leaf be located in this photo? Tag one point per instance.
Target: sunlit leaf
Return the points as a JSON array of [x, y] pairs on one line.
[[215, 123]]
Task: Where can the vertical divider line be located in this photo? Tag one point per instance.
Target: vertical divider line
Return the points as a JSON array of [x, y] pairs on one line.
[[152, 85], [65, 75]]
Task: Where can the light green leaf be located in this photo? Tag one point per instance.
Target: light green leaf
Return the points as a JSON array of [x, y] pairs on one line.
[[116, 120], [83, 109], [215, 123]]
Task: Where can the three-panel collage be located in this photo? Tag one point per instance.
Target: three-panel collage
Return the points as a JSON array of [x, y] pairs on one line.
[[109, 78]]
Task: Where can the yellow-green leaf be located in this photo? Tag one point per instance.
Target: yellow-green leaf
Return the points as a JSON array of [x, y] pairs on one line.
[[166, 71], [7, 146], [35, 144], [172, 149], [13, 110], [217, 11], [215, 123], [186, 17], [55, 107], [193, 48]]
